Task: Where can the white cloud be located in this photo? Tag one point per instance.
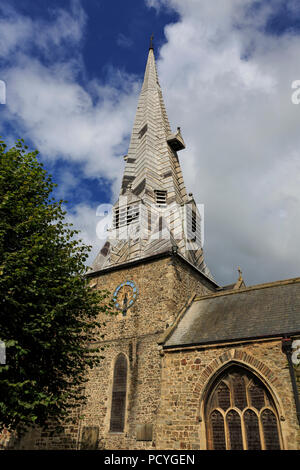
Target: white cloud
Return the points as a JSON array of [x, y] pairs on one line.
[[66, 121], [19, 32], [85, 124], [124, 41], [242, 133], [239, 124], [83, 217]]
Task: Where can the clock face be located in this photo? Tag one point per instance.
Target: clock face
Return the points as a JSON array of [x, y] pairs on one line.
[[125, 295]]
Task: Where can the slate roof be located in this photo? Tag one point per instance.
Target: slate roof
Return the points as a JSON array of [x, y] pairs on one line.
[[264, 310]]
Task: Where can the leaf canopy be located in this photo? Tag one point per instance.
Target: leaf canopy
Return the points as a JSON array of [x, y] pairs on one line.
[[49, 316]]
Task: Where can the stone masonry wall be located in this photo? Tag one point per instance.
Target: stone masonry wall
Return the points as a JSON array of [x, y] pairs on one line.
[[165, 285], [185, 379]]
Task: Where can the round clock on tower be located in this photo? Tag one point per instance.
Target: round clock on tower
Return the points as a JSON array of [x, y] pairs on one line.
[[125, 295]]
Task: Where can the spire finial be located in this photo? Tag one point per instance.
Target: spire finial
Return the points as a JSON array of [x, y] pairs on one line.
[[151, 41], [240, 274]]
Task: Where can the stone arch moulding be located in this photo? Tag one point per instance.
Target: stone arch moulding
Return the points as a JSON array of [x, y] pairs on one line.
[[219, 365]]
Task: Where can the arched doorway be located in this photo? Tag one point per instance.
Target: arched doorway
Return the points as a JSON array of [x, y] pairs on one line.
[[240, 413]]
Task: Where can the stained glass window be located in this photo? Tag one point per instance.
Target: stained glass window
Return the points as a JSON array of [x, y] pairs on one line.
[[118, 404], [240, 413], [218, 431], [252, 430], [235, 430], [269, 423]]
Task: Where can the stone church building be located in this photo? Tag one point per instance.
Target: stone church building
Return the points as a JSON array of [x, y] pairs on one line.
[[188, 364]]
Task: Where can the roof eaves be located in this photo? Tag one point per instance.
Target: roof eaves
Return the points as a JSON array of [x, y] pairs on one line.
[[238, 340]]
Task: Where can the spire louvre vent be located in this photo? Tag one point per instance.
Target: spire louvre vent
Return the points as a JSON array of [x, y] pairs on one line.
[[125, 215], [193, 225], [160, 197]]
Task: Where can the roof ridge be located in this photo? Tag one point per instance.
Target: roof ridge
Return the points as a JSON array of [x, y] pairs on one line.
[[250, 288]]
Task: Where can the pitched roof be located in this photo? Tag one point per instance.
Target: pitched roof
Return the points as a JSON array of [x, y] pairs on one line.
[[264, 310]]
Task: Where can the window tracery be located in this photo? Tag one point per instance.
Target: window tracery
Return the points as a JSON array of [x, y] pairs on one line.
[[241, 414], [118, 403]]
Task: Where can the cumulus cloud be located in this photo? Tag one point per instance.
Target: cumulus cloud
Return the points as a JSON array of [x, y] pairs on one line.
[[64, 120], [124, 41], [225, 81], [20, 32], [230, 90], [83, 217], [47, 102], [68, 119]]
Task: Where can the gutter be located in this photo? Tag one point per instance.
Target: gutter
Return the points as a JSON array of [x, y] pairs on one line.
[[225, 341]]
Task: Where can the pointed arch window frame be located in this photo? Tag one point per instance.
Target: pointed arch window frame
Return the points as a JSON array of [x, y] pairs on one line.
[[271, 405], [113, 400]]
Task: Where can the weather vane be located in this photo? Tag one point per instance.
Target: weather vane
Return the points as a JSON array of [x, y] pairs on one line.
[[151, 41]]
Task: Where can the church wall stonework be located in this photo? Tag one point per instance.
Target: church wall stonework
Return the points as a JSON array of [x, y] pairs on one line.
[[166, 388], [164, 285], [187, 375]]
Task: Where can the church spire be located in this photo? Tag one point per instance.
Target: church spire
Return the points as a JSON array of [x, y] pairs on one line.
[[151, 162], [153, 204]]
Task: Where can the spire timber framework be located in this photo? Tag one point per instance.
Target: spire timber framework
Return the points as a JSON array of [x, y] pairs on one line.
[[154, 213]]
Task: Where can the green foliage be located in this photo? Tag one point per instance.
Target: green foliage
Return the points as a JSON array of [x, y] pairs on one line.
[[48, 313]]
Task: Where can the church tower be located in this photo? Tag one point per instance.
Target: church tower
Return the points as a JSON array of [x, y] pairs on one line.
[[151, 263]]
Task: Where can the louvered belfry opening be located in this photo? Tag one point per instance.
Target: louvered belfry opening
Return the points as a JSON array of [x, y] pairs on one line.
[[118, 403], [160, 197], [241, 414], [125, 215]]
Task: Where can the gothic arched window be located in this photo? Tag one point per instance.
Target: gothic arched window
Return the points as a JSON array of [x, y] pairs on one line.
[[118, 402], [240, 413]]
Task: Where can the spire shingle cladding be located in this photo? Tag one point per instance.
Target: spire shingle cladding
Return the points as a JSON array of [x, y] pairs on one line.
[[154, 213]]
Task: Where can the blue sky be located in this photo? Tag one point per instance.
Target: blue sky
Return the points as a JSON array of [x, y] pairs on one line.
[[73, 71], [114, 38]]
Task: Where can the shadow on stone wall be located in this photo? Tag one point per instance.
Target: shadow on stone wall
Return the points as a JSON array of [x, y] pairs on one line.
[[66, 439], [39, 439]]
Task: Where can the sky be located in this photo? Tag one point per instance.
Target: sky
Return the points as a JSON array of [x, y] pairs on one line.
[[73, 71]]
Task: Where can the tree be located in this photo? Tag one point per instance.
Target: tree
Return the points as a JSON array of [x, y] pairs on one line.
[[48, 312]]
